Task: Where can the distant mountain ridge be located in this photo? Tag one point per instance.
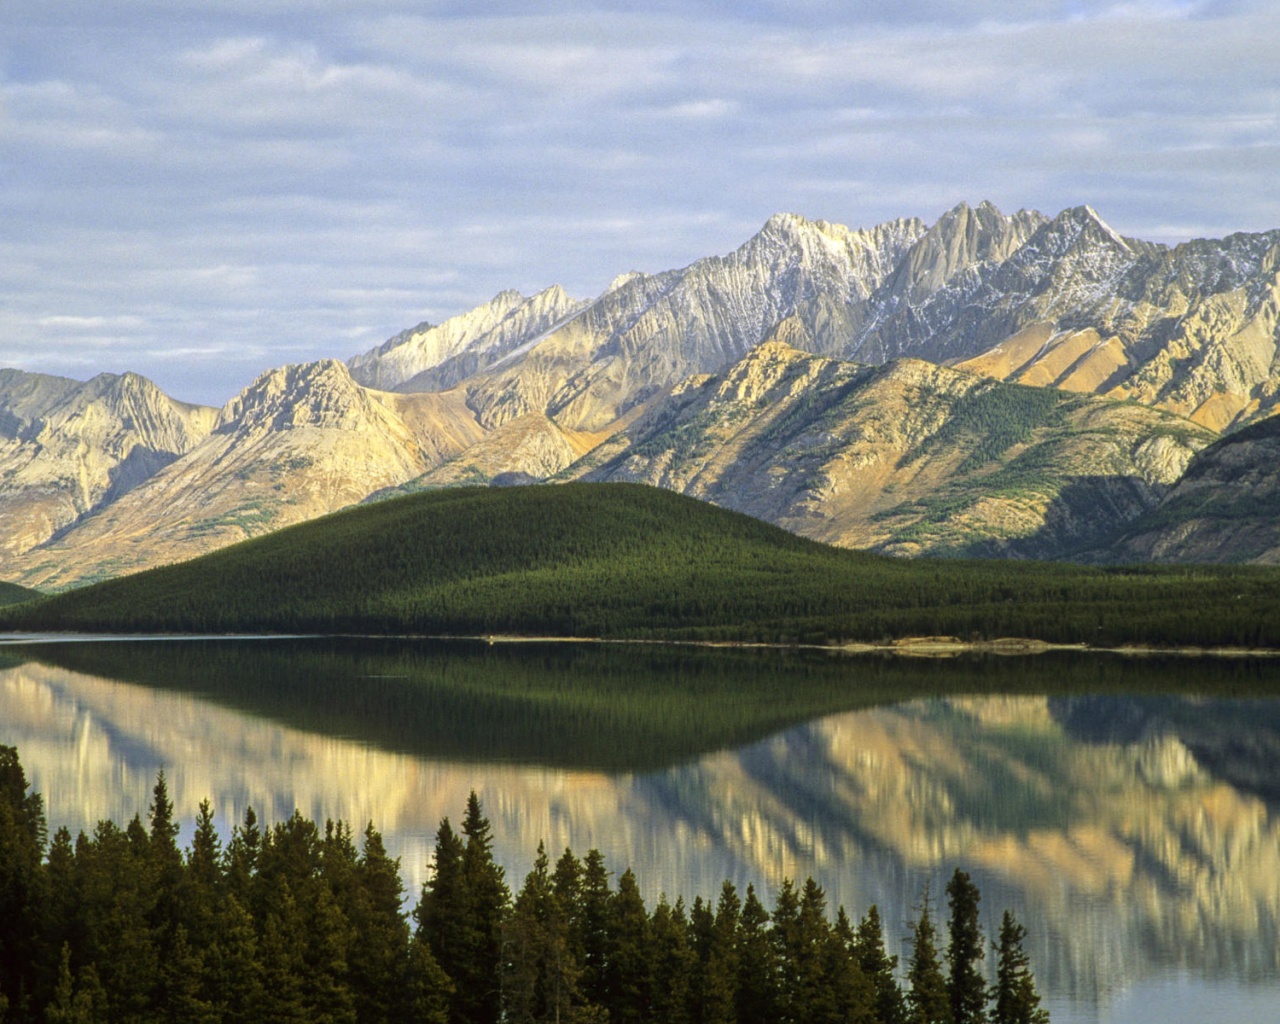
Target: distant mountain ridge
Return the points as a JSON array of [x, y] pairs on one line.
[[105, 477]]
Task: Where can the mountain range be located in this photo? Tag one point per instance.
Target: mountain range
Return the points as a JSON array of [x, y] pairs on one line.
[[999, 385]]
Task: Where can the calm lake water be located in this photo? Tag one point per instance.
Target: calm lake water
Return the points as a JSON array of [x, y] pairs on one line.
[[1127, 809]]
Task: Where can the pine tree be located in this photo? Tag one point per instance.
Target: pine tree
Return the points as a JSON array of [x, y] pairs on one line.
[[428, 990], [234, 974], [1015, 996], [627, 970], [379, 957], [757, 964], [966, 986], [927, 999], [853, 991], [479, 990], [282, 954], [84, 1003], [242, 858], [672, 963], [814, 961], [785, 938], [22, 840], [593, 926], [879, 968], [441, 909], [716, 983]]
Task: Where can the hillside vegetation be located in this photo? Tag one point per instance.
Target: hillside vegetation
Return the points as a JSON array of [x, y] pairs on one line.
[[11, 593], [627, 561]]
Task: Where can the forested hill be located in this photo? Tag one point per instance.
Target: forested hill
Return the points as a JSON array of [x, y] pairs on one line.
[[11, 593], [627, 561]]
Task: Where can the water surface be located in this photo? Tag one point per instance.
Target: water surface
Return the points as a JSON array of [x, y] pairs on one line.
[[1127, 809]]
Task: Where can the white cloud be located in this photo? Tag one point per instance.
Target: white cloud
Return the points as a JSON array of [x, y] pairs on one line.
[[251, 182]]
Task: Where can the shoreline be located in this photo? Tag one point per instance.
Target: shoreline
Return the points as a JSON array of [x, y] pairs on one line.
[[907, 647]]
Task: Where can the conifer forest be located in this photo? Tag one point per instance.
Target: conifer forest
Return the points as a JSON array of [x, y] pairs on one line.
[[300, 922]]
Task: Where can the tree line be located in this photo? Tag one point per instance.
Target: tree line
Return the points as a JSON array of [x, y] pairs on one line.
[[294, 922], [627, 561]]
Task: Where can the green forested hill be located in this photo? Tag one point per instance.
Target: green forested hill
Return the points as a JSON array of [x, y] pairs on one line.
[[11, 593], [624, 560]]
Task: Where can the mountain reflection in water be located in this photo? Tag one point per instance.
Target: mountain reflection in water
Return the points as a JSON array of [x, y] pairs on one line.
[[1135, 830]]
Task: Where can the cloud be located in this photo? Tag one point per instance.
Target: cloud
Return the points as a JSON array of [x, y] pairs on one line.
[[239, 183]]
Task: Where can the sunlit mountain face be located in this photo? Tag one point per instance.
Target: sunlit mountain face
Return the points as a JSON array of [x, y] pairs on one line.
[[1136, 831]]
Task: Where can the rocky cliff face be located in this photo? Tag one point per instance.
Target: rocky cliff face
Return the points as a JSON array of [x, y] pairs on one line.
[[67, 448], [906, 458]]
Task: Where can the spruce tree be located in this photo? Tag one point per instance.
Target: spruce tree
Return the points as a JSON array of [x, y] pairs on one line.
[[879, 968], [428, 990], [22, 840], [1015, 996], [928, 1001], [627, 969], [816, 957], [479, 995], [757, 963], [593, 926], [966, 986], [379, 957], [672, 963], [786, 942]]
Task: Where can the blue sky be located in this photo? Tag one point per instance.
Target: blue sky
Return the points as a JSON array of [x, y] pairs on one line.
[[200, 191]]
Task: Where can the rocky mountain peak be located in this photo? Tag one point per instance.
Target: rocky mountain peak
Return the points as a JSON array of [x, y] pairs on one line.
[[436, 358], [319, 394], [962, 238]]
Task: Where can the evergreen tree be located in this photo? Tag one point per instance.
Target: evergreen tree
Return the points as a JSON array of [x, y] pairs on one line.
[[84, 1003], [242, 858], [593, 926], [379, 958], [542, 973], [1015, 996], [852, 989], [479, 991], [928, 1001], [757, 964], [627, 969], [282, 954], [234, 974], [814, 961], [879, 968], [442, 908], [672, 963], [966, 986], [785, 938], [22, 840], [428, 990], [716, 983]]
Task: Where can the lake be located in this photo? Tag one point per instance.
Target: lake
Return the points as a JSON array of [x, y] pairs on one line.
[[1127, 808]]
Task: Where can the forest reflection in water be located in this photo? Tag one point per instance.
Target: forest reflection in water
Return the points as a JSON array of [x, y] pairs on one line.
[[1125, 807]]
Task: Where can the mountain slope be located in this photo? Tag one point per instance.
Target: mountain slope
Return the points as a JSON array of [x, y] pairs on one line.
[[435, 358], [627, 561], [300, 442], [1192, 329], [1225, 508], [648, 332], [67, 448], [907, 458], [110, 476]]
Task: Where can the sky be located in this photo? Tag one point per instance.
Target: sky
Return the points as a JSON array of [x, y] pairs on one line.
[[199, 191]]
